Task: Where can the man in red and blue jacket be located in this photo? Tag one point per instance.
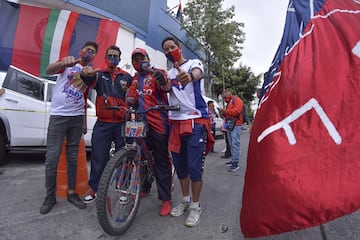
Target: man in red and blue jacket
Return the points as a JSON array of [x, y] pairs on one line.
[[111, 85], [147, 93]]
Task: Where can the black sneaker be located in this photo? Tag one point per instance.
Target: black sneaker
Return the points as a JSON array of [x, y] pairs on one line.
[[233, 168], [226, 156], [76, 201], [47, 205], [229, 163]]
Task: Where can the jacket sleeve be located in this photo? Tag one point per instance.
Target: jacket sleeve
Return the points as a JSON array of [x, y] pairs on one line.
[[90, 81], [235, 109]]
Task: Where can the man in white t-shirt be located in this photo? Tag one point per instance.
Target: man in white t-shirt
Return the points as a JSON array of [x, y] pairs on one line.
[[190, 137], [67, 121]]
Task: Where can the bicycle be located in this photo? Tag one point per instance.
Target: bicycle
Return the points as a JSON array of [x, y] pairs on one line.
[[119, 192]]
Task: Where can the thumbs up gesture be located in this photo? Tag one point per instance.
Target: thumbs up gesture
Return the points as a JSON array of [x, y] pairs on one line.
[[182, 76]]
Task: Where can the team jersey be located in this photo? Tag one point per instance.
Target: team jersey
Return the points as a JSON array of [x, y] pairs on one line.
[[68, 94], [192, 104], [148, 93]]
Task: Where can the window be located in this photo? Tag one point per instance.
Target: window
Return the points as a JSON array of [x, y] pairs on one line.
[[24, 83]]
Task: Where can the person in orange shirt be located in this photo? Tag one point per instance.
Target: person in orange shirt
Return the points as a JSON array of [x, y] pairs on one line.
[[233, 110]]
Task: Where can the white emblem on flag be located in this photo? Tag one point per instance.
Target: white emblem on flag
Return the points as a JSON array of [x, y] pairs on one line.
[[284, 124], [356, 49]]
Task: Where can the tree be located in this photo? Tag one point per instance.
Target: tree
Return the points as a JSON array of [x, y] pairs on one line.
[[217, 34], [241, 81]]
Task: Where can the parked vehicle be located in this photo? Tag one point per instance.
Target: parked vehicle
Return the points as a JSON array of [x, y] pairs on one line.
[[24, 113], [219, 120]]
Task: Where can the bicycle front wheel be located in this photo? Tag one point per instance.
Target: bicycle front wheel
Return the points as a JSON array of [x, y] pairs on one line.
[[118, 195]]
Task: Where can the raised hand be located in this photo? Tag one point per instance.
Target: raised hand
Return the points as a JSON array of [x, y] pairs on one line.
[[182, 76], [88, 71], [160, 78], [69, 61]]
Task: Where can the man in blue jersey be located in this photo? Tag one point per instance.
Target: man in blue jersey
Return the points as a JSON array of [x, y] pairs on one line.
[[190, 131]]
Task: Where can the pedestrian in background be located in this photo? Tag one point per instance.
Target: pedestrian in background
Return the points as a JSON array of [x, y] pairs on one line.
[[233, 110], [111, 85], [190, 129], [227, 153], [66, 120], [212, 118]]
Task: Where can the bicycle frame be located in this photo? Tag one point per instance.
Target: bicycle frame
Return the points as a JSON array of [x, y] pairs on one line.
[[120, 184]]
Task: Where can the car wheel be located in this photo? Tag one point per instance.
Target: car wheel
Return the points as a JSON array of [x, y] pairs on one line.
[[2, 150]]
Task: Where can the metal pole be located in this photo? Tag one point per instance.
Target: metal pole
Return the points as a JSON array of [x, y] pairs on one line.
[[322, 231], [223, 80]]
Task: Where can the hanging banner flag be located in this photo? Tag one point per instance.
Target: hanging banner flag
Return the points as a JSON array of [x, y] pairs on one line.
[[303, 160], [34, 37], [179, 12]]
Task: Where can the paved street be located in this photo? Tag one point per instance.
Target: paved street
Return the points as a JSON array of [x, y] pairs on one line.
[[22, 192]]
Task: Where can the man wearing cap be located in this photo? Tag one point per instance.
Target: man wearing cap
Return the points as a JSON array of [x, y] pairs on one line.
[[147, 93], [111, 90]]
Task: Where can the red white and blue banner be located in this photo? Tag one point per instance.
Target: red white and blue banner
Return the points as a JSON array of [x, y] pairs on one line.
[[34, 37], [179, 12], [303, 166]]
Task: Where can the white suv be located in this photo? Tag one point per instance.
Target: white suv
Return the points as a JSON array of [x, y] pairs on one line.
[[24, 112]]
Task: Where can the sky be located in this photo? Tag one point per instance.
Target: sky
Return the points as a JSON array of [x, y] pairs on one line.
[[264, 24]]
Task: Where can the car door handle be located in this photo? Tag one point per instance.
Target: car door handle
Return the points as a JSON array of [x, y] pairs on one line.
[[11, 100]]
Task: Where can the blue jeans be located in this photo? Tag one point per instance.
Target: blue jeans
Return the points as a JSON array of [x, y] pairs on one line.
[[59, 128], [234, 142]]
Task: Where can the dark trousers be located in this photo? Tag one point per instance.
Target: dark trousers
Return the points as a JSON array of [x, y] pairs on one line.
[[158, 145], [228, 149], [213, 131], [59, 128], [103, 134]]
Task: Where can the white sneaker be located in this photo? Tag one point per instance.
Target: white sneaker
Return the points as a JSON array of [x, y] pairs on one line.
[[193, 218], [91, 197], [179, 209]]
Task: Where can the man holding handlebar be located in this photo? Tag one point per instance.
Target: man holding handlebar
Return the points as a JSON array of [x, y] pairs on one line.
[[146, 92]]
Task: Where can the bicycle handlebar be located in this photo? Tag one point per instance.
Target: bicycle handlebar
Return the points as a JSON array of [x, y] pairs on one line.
[[156, 107]]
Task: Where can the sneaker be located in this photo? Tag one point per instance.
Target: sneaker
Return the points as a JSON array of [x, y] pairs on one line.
[[47, 205], [76, 201], [193, 218], [91, 197], [229, 163], [165, 208], [233, 168], [179, 209], [226, 156]]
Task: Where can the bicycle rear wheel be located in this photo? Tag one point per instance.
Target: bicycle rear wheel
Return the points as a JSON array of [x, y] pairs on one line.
[[118, 195]]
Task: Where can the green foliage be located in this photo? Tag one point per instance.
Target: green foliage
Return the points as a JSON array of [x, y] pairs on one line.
[[218, 35], [221, 38], [240, 81]]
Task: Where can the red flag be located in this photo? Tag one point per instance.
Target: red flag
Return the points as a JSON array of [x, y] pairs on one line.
[[179, 12], [36, 37], [303, 160]]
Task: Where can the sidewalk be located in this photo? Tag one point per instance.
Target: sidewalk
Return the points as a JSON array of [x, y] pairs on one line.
[[22, 192]]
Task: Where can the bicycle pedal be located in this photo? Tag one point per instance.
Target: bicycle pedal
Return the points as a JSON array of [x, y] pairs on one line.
[[124, 197]]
